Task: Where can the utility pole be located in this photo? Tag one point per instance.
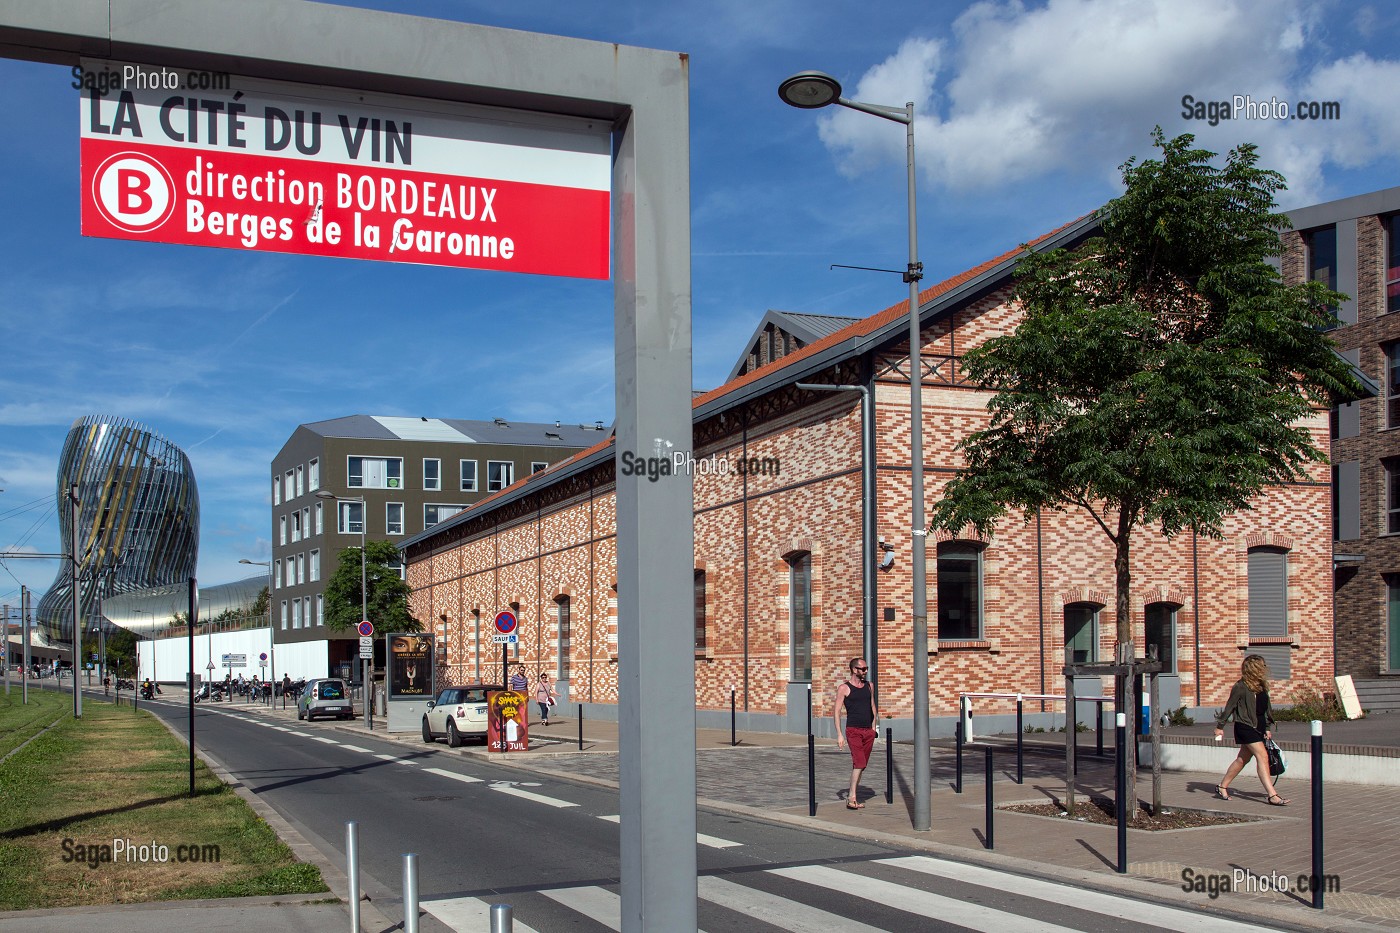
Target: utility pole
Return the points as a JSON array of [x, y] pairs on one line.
[[77, 640], [6, 652], [24, 641]]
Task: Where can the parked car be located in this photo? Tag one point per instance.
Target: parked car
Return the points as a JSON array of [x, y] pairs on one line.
[[457, 713], [325, 696]]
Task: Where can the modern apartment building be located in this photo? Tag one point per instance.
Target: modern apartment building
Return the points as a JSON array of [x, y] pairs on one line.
[[388, 478], [1353, 246]]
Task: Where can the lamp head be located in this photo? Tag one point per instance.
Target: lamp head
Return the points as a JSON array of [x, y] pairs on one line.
[[810, 90]]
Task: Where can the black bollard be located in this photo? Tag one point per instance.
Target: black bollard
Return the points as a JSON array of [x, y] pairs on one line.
[[1020, 737], [1121, 781], [991, 803], [733, 719], [1098, 727], [812, 776], [1317, 814], [958, 743], [580, 727], [889, 766]]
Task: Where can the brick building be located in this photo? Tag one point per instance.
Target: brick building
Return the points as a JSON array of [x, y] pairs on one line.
[[778, 555], [1353, 246]]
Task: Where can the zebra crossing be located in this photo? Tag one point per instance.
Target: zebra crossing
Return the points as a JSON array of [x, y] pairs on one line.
[[900, 893]]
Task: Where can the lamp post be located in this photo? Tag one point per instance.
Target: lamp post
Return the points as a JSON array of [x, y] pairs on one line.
[[364, 593], [271, 632], [810, 90]]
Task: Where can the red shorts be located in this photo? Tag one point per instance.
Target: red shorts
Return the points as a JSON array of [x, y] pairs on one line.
[[860, 740]]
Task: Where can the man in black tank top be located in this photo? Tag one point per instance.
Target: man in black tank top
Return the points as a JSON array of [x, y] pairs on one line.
[[857, 699]]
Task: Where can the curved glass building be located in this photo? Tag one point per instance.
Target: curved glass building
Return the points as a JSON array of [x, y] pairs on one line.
[[138, 519]]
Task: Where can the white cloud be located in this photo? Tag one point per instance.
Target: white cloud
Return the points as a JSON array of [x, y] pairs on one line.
[[1022, 92]]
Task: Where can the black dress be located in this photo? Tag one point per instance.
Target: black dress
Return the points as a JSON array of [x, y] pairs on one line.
[[1246, 734]]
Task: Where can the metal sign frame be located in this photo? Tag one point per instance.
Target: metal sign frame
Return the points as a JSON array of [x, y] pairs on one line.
[[642, 97]]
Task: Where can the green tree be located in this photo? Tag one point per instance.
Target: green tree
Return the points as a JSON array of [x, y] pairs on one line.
[[387, 601], [1162, 371]]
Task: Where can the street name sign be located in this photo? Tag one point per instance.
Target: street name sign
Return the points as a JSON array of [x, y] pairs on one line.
[[272, 166]]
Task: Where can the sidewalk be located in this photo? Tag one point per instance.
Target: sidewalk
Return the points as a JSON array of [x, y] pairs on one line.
[[764, 777]]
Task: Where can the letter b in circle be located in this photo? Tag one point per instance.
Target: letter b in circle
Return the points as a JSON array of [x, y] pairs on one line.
[[133, 192]]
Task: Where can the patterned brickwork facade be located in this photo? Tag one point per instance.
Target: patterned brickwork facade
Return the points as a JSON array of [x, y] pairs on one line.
[[751, 524], [1362, 611]]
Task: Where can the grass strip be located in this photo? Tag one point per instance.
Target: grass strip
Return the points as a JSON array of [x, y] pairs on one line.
[[79, 803], [20, 721]]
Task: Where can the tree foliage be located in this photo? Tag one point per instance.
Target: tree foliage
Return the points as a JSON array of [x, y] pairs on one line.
[[387, 602], [1162, 371]]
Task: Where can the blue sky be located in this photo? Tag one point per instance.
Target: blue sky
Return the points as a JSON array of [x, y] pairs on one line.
[[1026, 110]]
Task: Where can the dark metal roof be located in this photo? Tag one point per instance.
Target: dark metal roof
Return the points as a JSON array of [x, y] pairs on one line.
[[809, 328], [459, 430]]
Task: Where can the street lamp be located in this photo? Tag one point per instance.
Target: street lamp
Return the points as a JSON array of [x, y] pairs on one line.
[[810, 90], [271, 633], [364, 592]]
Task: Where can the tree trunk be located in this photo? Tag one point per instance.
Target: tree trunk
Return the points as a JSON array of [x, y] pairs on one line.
[[1124, 651]]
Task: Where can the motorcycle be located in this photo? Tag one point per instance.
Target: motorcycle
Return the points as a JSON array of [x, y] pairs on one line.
[[148, 691]]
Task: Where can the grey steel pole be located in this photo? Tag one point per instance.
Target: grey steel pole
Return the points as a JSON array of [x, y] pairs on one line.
[[352, 872], [1316, 749], [366, 665], [193, 618], [24, 643], [6, 652], [410, 893], [919, 532], [77, 640]]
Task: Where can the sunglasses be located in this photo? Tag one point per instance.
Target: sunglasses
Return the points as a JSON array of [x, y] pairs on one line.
[[861, 670]]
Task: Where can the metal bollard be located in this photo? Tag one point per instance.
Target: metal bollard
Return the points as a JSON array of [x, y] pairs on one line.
[[352, 871], [991, 800], [889, 766], [1317, 884], [502, 918], [410, 893], [1020, 739], [958, 743], [1120, 742]]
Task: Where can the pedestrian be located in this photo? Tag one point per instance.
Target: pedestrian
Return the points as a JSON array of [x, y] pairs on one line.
[[857, 698], [1252, 714], [518, 681], [286, 684], [545, 697]]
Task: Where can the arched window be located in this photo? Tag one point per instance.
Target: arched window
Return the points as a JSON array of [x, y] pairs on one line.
[[800, 614], [1160, 630], [959, 591], [1082, 633]]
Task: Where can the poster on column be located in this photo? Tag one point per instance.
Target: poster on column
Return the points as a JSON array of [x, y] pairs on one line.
[[210, 159], [410, 665]]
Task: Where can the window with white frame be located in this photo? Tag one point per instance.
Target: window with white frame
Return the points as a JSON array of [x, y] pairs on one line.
[[296, 526], [537, 466], [374, 472], [393, 518], [319, 520], [276, 490], [432, 513], [276, 574], [499, 474], [466, 475], [352, 518], [289, 486], [315, 569], [320, 610], [313, 475], [432, 474], [301, 568], [282, 529], [284, 615], [301, 480], [296, 613]]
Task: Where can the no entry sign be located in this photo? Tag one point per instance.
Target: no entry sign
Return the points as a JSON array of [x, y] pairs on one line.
[[287, 168]]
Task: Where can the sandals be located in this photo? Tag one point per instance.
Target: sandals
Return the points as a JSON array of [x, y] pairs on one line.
[[1222, 792], [1281, 802], [854, 806]]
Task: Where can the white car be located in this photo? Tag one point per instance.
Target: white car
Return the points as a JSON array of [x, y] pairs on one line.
[[457, 713]]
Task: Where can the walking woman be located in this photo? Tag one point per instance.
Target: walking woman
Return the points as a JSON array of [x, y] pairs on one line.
[[545, 697], [1252, 714]]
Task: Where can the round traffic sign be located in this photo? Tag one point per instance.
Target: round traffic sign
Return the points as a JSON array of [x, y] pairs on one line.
[[262, 656], [505, 622], [366, 629]]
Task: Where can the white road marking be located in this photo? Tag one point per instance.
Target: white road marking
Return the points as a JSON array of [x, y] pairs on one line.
[[467, 913], [1127, 908], [356, 748], [464, 778], [538, 798], [714, 842], [595, 903], [920, 903], [779, 911], [317, 738]]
